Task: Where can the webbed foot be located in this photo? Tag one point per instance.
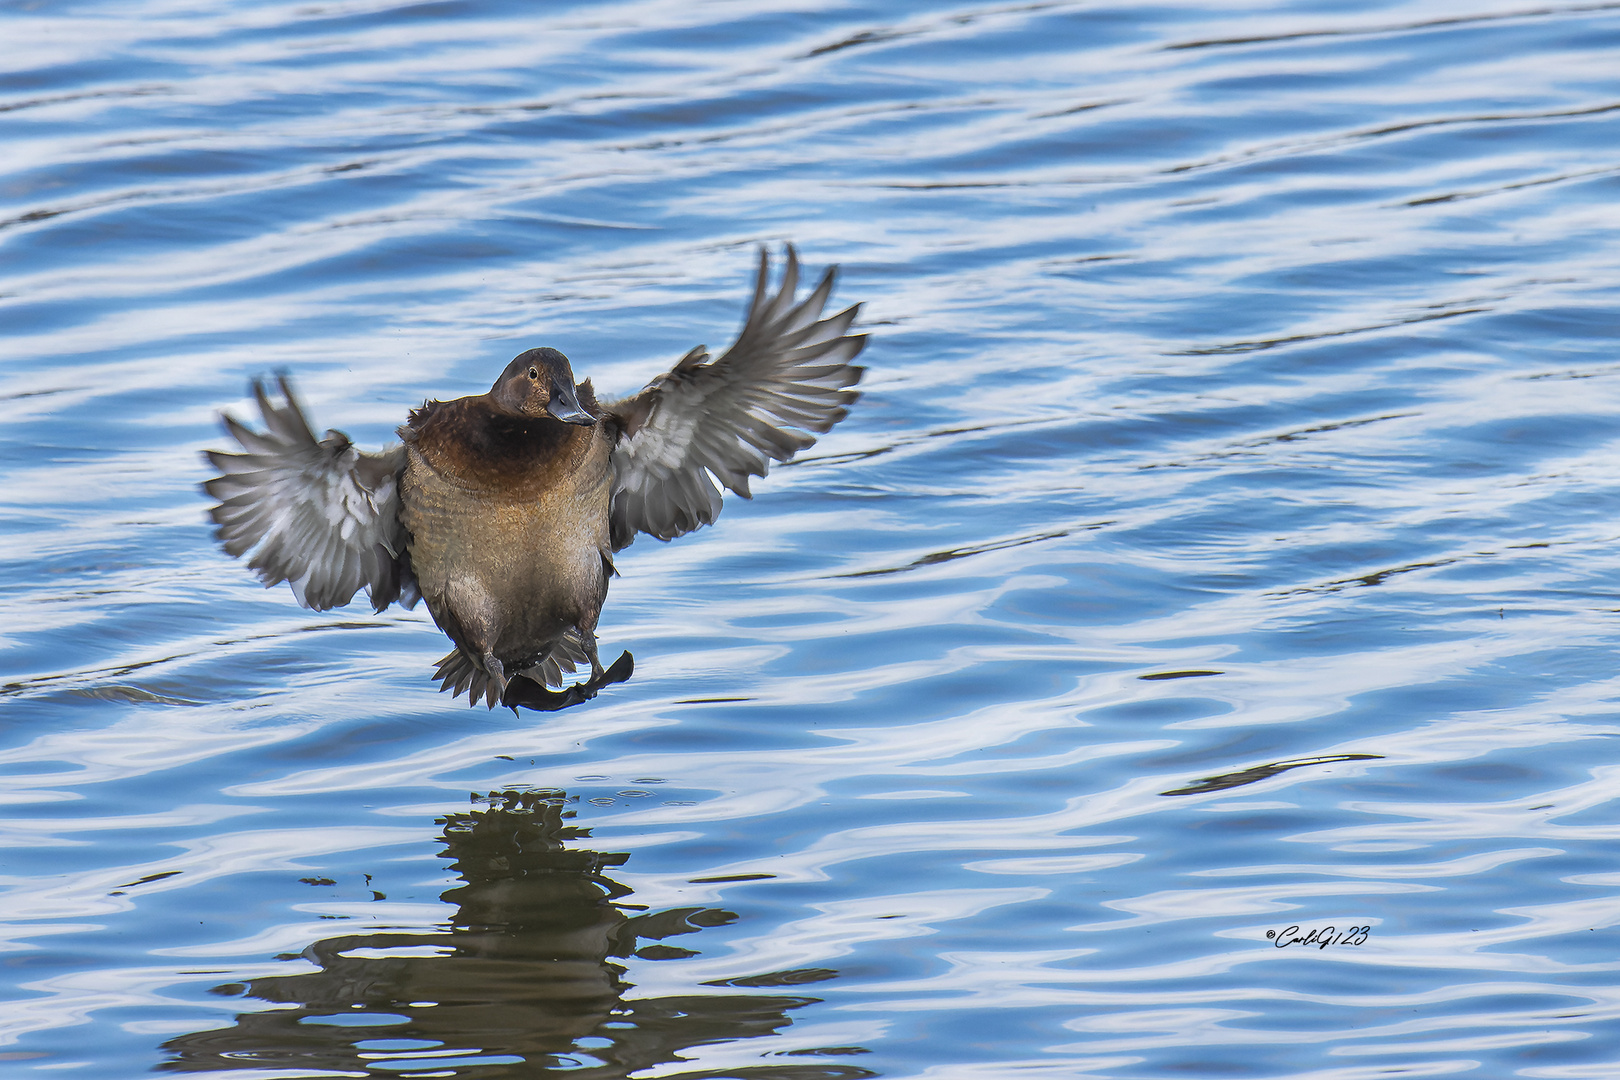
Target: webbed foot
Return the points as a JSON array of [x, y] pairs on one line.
[[622, 669], [531, 695]]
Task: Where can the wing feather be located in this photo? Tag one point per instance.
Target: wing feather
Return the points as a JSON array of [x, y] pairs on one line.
[[787, 376], [317, 514]]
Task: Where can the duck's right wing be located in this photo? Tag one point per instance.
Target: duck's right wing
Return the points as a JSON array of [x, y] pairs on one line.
[[319, 515]]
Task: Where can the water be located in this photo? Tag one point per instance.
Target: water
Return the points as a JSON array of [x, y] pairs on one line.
[[1224, 544]]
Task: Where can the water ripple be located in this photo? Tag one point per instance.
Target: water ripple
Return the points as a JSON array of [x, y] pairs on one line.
[[1222, 546]]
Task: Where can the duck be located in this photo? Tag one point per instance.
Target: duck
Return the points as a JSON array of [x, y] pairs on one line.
[[504, 511]]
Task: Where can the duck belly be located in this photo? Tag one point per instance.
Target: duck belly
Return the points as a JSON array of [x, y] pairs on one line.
[[507, 573]]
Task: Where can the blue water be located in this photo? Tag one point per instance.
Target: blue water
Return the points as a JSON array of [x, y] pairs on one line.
[[1224, 548]]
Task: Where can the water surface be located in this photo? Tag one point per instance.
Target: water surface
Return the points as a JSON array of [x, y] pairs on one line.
[[1224, 544]]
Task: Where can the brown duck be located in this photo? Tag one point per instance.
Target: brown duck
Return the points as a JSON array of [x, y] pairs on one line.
[[504, 510]]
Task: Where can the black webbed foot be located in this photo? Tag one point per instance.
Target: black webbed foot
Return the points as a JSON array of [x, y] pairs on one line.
[[622, 669], [531, 695]]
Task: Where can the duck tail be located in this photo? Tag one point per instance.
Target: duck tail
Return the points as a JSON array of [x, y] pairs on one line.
[[458, 673], [461, 674]]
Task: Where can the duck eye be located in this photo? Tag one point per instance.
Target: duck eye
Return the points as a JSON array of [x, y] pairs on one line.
[[533, 374]]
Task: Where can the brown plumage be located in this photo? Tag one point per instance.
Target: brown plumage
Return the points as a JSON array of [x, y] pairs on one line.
[[503, 510]]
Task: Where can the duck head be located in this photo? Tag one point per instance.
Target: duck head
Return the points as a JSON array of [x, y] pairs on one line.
[[540, 383]]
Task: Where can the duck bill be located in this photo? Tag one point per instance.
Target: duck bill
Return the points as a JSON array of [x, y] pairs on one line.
[[565, 406]]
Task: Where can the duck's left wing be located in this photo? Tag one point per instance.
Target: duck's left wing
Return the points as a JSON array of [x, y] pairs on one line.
[[319, 515], [786, 376]]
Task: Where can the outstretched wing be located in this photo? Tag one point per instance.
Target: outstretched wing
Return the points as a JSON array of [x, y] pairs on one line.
[[322, 516], [786, 375]]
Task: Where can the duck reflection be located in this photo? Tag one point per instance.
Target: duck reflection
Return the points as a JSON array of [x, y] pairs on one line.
[[522, 983]]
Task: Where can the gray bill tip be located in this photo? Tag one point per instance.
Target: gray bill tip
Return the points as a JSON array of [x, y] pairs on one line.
[[565, 406]]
